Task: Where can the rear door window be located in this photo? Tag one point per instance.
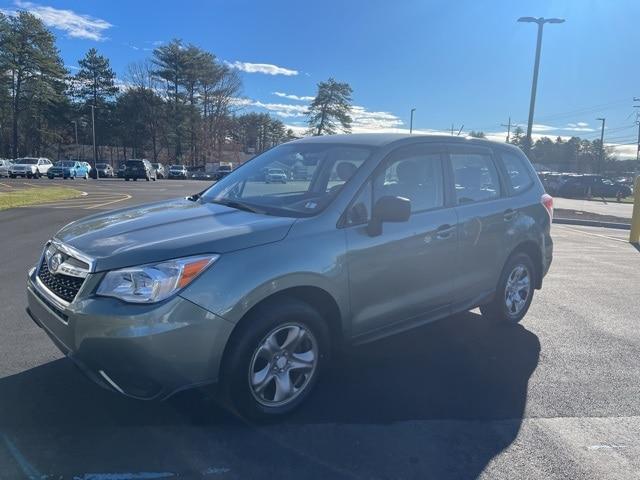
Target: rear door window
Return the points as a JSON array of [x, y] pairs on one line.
[[475, 176], [518, 174]]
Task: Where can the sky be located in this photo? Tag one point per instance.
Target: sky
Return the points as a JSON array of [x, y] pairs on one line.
[[466, 63]]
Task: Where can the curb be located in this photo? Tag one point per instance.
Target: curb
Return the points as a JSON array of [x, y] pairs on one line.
[[592, 223]]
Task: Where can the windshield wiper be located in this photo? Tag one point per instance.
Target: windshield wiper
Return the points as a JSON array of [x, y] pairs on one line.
[[194, 197], [237, 205]]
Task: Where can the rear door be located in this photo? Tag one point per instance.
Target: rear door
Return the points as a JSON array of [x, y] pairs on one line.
[[484, 214], [406, 272]]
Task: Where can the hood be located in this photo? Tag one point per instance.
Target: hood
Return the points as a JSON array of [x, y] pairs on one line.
[[169, 229]]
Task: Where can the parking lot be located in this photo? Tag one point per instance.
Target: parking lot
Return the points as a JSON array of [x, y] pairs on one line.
[[556, 397]]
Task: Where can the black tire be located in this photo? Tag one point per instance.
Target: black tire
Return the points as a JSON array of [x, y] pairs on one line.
[[126, 179], [12, 176], [235, 385], [497, 310], [135, 179]]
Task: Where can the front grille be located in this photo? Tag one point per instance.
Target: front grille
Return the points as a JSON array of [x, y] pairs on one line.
[[64, 286]]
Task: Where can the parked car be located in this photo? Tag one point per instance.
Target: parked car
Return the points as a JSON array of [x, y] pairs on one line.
[[584, 185], [222, 171], [154, 299], [68, 169], [178, 171], [275, 175], [29, 167], [4, 167], [121, 169], [201, 176], [104, 170], [160, 170], [142, 169]]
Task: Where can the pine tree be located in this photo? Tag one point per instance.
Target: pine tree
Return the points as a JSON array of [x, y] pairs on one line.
[[95, 81], [332, 106], [35, 70]]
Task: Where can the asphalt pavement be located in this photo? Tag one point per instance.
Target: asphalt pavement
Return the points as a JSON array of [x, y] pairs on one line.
[[556, 397]]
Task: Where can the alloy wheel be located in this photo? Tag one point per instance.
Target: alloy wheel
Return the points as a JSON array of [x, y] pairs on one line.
[[517, 290], [283, 365]]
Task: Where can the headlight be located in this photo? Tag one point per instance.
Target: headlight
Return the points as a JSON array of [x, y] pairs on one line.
[[153, 283]]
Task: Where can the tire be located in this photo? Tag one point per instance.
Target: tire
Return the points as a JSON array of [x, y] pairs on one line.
[[500, 309], [135, 179], [12, 176], [275, 320], [126, 179]]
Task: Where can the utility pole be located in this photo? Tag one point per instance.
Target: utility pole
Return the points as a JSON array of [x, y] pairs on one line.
[[95, 149], [601, 158], [411, 123], [536, 67], [75, 125], [452, 129], [637, 169], [508, 125]]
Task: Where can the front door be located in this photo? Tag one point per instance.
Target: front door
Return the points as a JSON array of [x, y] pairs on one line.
[[406, 272]]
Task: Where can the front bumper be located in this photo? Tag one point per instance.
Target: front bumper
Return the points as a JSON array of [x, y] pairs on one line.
[[142, 351]]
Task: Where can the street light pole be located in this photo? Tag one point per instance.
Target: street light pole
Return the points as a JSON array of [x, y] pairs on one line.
[[601, 157], [536, 67], [95, 149], [75, 126], [411, 123]]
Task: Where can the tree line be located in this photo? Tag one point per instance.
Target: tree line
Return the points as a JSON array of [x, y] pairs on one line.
[[572, 155], [181, 105]]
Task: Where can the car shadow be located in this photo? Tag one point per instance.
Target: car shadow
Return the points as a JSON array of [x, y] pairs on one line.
[[439, 401]]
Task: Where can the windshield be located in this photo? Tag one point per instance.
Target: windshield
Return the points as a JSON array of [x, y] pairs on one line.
[[101, 165], [27, 161], [317, 172], [176, 167]]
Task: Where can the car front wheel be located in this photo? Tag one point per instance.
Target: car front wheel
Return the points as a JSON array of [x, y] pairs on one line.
[[274, 359], [514, 293]]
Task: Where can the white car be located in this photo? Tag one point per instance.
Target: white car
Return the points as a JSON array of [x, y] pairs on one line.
[[275, 175], [30, 167], [4, 167]]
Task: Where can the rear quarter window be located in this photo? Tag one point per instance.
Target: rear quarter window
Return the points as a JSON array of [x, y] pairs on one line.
[[517, 172]]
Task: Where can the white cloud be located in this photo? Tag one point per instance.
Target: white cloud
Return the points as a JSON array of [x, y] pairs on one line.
[[293, 97], [370, 121], [578, 127], [538, 127], [266, 68], [76, 25]]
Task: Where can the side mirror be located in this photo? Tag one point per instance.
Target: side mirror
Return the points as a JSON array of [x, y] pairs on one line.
[[388, 209]]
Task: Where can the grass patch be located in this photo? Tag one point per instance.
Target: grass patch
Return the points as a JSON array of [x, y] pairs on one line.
[[35, 195]]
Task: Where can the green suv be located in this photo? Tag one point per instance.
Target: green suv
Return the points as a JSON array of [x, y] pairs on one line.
[[252, 285]]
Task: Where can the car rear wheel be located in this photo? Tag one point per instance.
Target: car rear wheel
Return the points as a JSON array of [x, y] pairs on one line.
[[514, 293], [274, 359]]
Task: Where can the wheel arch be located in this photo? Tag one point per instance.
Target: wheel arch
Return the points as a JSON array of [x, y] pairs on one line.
[[317, 298], [533, 251]]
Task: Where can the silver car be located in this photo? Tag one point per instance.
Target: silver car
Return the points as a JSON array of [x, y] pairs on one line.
[[253, 286], [4, 167]]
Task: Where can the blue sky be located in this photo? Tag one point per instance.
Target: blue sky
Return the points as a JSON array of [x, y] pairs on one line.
[[464, 62]]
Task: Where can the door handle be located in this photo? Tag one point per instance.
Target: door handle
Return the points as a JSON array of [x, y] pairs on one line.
[[444, 231], [509, 214]]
